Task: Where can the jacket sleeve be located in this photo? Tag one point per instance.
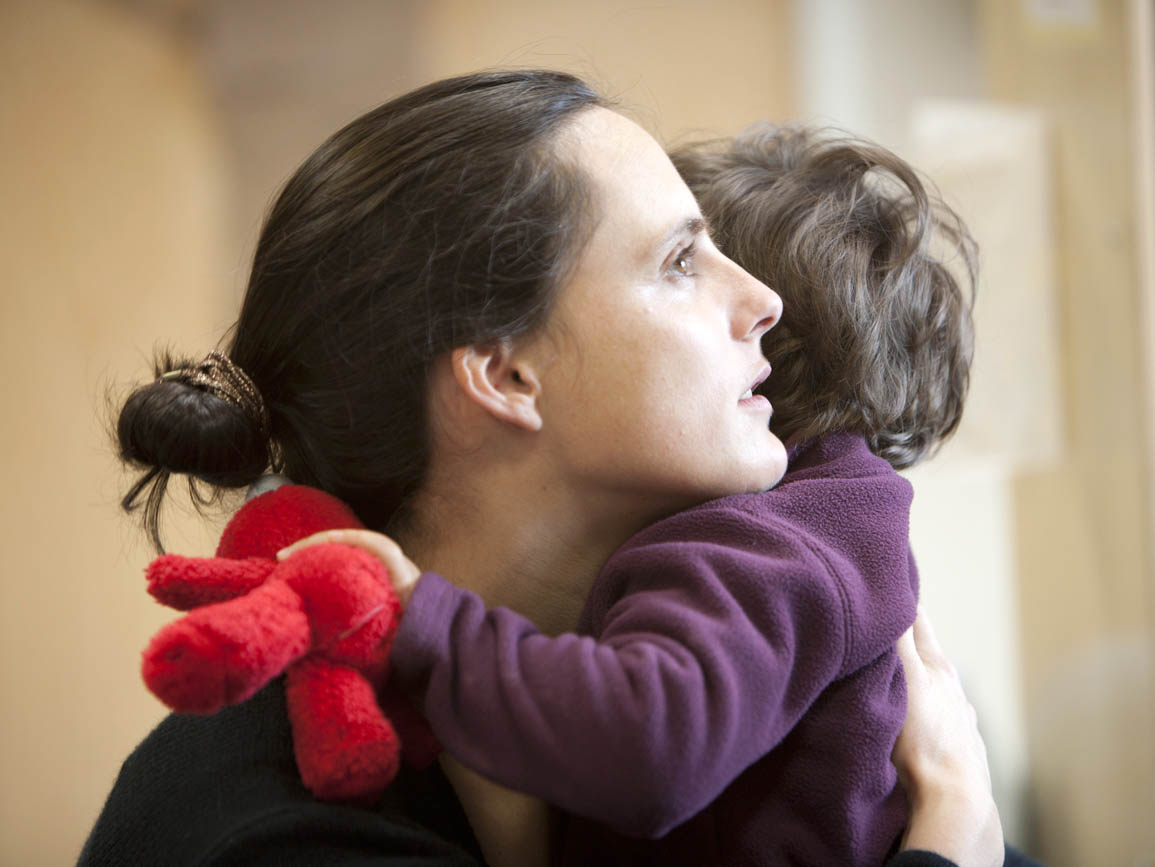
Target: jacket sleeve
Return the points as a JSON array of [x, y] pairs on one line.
[[709, 655]]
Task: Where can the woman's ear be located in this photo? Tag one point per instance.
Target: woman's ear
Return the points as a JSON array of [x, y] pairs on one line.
[[490, 376]]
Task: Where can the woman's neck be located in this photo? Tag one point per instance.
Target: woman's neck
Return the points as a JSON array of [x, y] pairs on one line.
[[536, 552]]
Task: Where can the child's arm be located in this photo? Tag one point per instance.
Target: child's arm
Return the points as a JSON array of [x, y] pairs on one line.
[[716, 645], [701, 667]]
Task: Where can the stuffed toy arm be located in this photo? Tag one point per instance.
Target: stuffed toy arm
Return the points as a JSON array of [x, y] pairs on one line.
[[222, 654], [185, 583]]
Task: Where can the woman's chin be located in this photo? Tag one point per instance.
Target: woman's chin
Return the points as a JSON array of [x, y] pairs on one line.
[[774, 464]]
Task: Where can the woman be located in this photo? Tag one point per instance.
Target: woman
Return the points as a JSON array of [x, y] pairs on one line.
[[448, 326]]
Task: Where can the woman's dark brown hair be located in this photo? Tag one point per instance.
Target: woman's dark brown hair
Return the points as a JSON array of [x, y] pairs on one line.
[[442, 218], [876, 334]]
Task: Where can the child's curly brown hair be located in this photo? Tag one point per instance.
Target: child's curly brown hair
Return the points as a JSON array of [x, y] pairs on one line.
[[876, 335]]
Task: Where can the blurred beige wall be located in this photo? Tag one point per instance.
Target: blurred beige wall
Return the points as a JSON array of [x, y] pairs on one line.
[[110, 239], [1084, 560], [678, 67]]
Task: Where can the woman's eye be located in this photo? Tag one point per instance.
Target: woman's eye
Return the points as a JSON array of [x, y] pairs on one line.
[[683, 263]]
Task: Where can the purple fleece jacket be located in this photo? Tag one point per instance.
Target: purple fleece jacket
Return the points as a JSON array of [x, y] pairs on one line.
[[732, 694]]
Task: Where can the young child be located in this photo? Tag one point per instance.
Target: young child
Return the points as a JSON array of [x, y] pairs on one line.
[[733, 693]]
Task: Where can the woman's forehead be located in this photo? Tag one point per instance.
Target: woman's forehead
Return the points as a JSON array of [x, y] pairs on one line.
[[639, 194]]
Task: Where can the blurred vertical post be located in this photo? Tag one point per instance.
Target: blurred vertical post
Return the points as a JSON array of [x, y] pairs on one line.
[[1082, 526], [1142, 27]]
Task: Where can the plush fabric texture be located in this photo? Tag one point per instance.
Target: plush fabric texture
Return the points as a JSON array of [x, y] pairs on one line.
[[732, 694], [324, 617]]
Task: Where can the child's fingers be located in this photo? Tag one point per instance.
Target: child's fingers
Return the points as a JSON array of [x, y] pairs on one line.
[[322, 538], [374, 543], [403, 572]]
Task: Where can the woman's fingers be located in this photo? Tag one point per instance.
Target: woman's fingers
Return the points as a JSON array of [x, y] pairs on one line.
[[908, 653], [941, 758], [930, 652], [403, 572], [925, 638]]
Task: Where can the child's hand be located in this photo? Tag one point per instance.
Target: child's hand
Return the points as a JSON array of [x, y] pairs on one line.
[[402, 571]]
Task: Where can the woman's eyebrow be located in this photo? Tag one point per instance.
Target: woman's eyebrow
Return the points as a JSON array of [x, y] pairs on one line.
[[692, 226]]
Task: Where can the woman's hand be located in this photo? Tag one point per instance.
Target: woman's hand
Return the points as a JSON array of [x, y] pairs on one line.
[[942, 760], [402, 571]]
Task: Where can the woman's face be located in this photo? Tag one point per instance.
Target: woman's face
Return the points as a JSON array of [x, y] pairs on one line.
[[653, 347]]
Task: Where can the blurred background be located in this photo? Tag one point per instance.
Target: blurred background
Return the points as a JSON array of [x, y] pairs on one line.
[[142, 140]]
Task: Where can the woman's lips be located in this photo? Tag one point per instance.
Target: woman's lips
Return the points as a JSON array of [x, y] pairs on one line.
[[762, 375], [756, 402], [749, 399]]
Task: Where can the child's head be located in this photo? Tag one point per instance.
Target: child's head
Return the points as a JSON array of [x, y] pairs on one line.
[[876, 335]]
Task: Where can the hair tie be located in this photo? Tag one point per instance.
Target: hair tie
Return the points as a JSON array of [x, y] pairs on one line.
[[219, 376]]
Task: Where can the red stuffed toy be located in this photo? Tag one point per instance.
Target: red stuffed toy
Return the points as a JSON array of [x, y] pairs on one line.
[[325, 617]]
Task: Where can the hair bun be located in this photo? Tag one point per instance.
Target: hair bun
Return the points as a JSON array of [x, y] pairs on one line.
[[174, 426]]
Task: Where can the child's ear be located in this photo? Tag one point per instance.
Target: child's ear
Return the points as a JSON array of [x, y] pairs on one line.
[[502, 384]]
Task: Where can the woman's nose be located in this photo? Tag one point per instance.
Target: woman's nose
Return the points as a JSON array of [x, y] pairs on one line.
[[762, 308]]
